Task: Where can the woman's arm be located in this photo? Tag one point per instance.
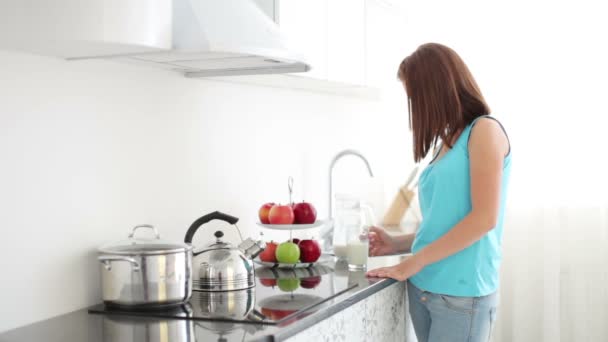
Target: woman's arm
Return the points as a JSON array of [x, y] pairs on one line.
[[382, 243], [403, 243], [487, 149]]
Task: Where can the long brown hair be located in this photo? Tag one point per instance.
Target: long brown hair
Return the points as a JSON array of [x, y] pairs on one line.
[[443, 97]]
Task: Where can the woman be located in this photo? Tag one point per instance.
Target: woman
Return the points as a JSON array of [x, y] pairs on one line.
[[453, 272]]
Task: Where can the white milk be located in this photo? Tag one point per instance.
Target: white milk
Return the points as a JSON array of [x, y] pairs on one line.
[[356, 253], [340, 251]]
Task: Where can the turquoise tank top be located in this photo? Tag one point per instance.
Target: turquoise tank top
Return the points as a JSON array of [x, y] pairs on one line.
[[445, 199]]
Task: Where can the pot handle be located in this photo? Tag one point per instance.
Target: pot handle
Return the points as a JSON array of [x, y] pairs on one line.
[[216, 215], [149, 226], [106, 260]]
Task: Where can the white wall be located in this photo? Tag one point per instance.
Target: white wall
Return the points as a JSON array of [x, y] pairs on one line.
[[542, 67], [89, 149]]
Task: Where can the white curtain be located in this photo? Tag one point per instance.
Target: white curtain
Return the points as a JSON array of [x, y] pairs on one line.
[[543, 67], [554, 275]]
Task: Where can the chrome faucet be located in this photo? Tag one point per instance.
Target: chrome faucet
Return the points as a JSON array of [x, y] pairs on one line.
[[326, 235]]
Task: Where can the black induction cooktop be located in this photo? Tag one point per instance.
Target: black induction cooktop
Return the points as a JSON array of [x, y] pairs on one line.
[[279, 296]]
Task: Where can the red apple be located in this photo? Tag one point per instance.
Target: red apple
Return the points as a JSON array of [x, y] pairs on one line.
[[304, 213], [310, 282], [268, 282], [280, 214], [310, 251], [263, 212], [296, 241], [268, 255], [276, 314]]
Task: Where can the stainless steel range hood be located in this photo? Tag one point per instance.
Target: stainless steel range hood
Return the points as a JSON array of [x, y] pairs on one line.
[[223, 38]]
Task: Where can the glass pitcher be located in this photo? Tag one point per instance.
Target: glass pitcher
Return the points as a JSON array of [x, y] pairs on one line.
[[351, 221]]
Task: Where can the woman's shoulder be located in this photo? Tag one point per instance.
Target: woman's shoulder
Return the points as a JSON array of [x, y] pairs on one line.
[[487, 130]]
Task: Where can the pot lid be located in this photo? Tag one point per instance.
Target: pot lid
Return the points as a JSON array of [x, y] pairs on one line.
[[137, 245]]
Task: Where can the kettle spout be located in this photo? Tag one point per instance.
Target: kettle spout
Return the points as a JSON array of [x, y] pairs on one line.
[[251, 248]]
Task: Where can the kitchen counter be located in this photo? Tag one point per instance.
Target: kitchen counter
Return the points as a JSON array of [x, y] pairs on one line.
[[371, 307]]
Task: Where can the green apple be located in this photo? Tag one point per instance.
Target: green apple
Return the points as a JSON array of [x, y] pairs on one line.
[[288, 253], [288, 284]]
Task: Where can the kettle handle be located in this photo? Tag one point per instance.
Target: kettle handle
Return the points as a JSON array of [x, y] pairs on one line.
[[216, 215]]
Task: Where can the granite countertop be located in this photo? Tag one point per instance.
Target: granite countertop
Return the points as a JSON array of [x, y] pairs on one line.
[[82, 326]]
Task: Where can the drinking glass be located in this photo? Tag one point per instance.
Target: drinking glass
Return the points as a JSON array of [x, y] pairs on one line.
[[357, 247]]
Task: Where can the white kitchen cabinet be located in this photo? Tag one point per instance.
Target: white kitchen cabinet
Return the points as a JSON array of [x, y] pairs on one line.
[[269, 7], [352, 45], [386, 41], [86, 28], [330, 33], [305, 23], [346, 41]]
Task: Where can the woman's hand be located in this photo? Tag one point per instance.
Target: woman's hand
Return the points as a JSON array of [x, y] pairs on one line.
[[380, 242], [400, 272]]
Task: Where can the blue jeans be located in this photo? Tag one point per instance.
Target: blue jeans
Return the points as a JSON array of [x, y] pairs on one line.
[[441, 318]]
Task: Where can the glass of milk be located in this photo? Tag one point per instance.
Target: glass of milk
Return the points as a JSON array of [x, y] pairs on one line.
[[357, 248], [347, 217]]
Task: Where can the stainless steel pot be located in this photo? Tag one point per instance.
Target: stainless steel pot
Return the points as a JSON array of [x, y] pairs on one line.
[[146, 272]]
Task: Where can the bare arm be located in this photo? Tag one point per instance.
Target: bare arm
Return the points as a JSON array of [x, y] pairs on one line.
[[487, 149], [404, 242], [383, 243]]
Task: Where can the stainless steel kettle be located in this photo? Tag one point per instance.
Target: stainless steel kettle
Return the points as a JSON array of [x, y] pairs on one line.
[[221, 266]]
